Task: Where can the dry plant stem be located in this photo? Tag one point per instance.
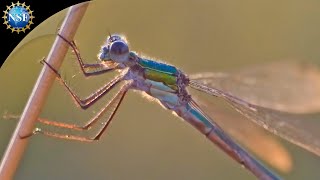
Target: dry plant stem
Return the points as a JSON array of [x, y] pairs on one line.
[[39, 93]]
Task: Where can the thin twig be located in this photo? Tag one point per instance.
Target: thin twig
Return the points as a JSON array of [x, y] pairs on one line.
[[39, 93]]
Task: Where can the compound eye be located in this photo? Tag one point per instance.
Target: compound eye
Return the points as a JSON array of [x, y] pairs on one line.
[[119, 51]]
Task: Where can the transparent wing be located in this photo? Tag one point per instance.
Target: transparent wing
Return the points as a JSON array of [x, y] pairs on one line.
[[285, 86], [256, 139], [299, 129]]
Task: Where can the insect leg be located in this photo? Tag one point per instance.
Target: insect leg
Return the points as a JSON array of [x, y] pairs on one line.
[[91, 99]]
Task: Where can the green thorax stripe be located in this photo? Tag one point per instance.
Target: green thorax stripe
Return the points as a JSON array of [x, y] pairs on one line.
[[160, 72]]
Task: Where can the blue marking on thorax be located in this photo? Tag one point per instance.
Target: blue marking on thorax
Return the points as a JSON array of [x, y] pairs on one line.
[[158, 66]]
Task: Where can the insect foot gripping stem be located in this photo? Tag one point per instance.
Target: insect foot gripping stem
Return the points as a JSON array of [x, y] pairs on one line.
[[35, 131]]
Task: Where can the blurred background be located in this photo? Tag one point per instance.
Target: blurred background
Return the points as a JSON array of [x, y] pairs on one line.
[[146, 141]]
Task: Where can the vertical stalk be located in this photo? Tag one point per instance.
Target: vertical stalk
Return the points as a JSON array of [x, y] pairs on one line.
[[17, 145]]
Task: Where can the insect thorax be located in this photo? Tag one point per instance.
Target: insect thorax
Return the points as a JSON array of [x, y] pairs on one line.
[[159, 80]]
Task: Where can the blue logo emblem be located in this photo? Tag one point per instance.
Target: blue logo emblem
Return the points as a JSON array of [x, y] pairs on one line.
[[18, 17]]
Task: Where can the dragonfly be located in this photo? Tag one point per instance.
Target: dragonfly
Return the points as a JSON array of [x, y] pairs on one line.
[[168, 85]]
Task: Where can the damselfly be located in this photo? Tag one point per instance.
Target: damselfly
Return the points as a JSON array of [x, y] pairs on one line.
[[168, 85]]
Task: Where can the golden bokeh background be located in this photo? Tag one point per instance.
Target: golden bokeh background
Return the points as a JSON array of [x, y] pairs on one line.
[[145, 141]]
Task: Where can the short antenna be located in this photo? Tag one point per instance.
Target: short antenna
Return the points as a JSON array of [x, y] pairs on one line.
[[109, 33]]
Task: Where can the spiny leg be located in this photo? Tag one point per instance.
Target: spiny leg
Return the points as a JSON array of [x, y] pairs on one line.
[[44, 121], [114, 104], [88, 125], [104, 128], [84, 66], [91, 99], [115, 100]]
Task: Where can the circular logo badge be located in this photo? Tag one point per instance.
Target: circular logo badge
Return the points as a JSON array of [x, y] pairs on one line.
[[18, 17]]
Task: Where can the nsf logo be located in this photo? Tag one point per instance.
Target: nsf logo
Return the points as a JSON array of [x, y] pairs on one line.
[[18, 17]]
